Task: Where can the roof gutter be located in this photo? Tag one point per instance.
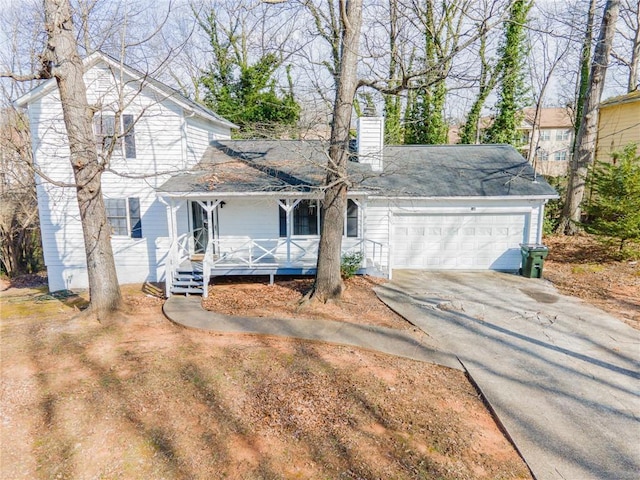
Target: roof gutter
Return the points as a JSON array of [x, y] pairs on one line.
[[274, 194], [499, 197]]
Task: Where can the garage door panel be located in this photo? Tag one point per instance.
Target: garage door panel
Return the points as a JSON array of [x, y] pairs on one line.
[[476, 241]]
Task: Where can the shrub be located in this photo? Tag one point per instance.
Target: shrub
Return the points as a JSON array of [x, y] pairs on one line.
[[614, 208], [350, 264]]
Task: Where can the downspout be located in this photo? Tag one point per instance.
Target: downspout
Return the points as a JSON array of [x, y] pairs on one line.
[[540, 223]]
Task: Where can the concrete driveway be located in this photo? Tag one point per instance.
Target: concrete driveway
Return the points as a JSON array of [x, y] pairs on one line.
[[562, 377]]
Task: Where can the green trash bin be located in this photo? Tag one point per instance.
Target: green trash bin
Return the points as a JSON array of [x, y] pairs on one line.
[[533, 255]]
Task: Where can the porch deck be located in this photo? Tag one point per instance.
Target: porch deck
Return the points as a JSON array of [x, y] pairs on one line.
[[242, 256], [264, 269]]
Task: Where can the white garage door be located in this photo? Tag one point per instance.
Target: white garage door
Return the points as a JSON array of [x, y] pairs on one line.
[[474, 242]]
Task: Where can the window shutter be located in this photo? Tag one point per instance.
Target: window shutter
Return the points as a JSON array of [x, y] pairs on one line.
[[134, 217], [283, 221], [129, 136]]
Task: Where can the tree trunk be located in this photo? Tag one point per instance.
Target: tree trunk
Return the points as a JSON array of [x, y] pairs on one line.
[[328, 284], [586, 139], [583, 78], [635, 55], [68, 71]]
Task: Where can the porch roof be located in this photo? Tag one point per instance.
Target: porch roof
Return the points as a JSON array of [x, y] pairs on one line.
[[438, 171]]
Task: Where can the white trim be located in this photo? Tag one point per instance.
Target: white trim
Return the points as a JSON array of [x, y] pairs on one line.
[[146, 81], [458, 210], [306, 196], [352, 194], [540, 223], [184, 138], [478, 198]]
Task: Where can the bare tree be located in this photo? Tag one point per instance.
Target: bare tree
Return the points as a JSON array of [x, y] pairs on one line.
[[20, 248], [586, 138], [547, 52], [65, 65], [328, 284], [629, 35]]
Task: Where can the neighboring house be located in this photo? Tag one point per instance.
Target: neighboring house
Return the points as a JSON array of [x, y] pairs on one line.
[[548, 144], [551, 139], [252, 207], [618, 125]]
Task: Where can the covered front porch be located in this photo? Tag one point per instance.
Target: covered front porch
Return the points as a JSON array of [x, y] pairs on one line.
[[254, 235]]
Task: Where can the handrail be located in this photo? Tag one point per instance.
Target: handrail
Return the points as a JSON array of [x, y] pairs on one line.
[[177, 250], [253, 252], [206, 269], [169, 268]]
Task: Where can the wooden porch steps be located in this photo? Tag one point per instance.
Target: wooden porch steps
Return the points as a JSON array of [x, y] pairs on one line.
[[187, 282]]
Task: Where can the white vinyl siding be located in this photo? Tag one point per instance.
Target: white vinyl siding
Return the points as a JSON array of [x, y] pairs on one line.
[[200, 134], [159, 138]]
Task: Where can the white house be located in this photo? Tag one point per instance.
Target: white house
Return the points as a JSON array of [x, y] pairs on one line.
[[196, 204], [166, 133]]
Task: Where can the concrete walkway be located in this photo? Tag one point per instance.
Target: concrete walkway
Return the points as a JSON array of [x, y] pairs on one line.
[[562, 377], [188, 312]]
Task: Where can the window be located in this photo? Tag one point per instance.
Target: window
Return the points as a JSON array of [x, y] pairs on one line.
[[105, 130], [352, 219], [104, 125], [560, 156], [123, 215], [305, 216], [523, 137], [307, 219], [542, 155], [545, 135], [562, 135]]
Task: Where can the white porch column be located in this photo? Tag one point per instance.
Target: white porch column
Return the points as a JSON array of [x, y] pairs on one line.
[[288, 207], [171, 259]]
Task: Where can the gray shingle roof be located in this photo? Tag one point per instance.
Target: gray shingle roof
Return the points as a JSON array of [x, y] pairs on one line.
[[411, 171]]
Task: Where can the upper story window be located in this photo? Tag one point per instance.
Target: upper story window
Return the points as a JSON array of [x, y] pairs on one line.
[[545, 135], [542, 155], [524, 137], [106, 133], [123, 215], [560, 155], [562, 135]]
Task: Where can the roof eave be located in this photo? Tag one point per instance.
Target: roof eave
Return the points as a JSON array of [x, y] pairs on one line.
[[474, 197], [91, 61]]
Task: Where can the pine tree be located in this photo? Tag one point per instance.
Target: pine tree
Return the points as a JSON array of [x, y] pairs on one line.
[[614, 210]]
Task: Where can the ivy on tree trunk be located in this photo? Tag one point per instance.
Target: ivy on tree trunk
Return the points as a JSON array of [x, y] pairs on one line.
[[511, 94], [586, 139]]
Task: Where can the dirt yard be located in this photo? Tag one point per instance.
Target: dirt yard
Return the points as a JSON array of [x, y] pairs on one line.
[[581, 266], [147, 399]]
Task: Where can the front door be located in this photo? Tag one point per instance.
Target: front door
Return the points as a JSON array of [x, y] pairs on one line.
[[200, 227]]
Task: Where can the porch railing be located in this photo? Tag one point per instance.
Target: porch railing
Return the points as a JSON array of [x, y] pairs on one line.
[[206, 269], [283, 252], [243, 252]]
